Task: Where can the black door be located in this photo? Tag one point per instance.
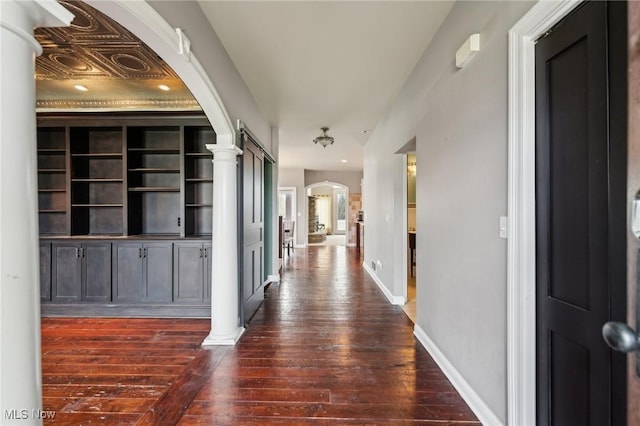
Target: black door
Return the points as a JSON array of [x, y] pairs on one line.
[[253, 227], [580, 187]]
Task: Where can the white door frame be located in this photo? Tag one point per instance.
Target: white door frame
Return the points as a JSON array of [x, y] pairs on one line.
[[521, 259], [294, 210]]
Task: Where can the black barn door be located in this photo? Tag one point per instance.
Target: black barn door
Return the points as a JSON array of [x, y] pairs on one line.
[[252, 208], [580, 182]]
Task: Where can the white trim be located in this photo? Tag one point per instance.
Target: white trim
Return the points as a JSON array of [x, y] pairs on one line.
[[394, 300], [272, 279], [294, 210], [473, 400], [521, 262], [228, 340]]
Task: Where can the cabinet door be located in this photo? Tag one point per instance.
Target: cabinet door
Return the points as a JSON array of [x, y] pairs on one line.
[[67, 272], [96, 277], [188, 279], [207, 272], [127, 273], [45, 272], [158, 267]]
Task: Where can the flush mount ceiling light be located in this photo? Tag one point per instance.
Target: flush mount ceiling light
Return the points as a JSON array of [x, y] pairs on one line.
[[324, 139]]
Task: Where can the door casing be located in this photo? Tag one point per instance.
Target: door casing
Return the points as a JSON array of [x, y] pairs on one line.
[[521, 262]]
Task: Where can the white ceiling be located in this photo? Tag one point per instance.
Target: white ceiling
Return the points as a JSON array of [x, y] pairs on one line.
[[325, 63]]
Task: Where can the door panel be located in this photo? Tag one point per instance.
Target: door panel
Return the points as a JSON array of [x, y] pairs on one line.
[[128, 272], [158, 271], [207, 271], [253, 227], [633, 244], [188, 272], [576, 211], [97, 272], [67, 272], [45, 272]]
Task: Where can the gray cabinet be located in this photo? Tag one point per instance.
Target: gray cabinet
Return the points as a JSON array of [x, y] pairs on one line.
[[96, 272], [192, 271], [142, 272], [81, 272], [45, 271]]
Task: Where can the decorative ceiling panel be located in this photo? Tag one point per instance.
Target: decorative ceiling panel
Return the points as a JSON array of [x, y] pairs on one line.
[[97, 50]]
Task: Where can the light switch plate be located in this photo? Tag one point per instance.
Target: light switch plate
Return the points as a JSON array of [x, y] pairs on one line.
[[503, 227]]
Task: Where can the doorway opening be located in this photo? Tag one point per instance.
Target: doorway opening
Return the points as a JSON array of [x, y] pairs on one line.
[[287, 214], [327, 207], [410, 306]]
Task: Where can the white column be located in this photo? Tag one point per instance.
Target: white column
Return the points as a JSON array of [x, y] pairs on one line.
[[225, 315], [20, 370]]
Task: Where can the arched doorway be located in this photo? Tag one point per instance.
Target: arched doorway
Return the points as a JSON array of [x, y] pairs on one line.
[[327, 206]]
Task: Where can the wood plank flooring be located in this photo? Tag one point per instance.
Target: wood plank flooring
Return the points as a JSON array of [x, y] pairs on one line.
[[325, 348]]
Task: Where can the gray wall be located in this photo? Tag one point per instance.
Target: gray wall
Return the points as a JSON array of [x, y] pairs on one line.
[[350, 179], [459, 119], [207, 47]]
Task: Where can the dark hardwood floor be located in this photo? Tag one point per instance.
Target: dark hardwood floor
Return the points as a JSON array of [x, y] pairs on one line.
[[325, 348]]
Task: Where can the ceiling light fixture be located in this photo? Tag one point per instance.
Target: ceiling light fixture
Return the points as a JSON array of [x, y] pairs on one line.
[[81, 88], [164, 87], [344, 161], [324, 139]]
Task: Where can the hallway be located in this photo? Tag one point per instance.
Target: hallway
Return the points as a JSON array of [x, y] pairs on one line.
[[325, 348]]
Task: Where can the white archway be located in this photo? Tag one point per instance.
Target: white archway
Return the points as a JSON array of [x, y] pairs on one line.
[[327, 183], [150, 27]]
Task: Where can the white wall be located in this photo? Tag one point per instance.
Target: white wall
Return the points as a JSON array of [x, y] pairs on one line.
[[459, 119]]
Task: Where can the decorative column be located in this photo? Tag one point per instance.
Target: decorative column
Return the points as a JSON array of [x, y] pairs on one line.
[[20, 369], [225, 314]]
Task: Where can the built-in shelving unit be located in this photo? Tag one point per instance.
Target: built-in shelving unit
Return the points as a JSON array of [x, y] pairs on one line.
[[153, 158], [97, 180], [198, 180], [125, 212], [52, 181]]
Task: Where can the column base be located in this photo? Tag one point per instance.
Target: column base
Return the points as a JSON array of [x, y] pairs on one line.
[[226, 340]]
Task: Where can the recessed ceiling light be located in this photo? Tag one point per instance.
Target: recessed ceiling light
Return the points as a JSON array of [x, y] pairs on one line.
[[81, 88], [344, 161], [164, 87]]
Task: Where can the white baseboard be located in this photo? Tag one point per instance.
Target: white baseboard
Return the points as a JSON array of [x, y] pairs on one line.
[[394, 300], [477, 405], [273, 279]]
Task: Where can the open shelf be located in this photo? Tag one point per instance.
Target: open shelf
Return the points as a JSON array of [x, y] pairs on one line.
[[154, 170], [51, 170], [97, 180], [156, 150], [125, 174], [203, 180], [96, 205], [52, 151], [154, 189]]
